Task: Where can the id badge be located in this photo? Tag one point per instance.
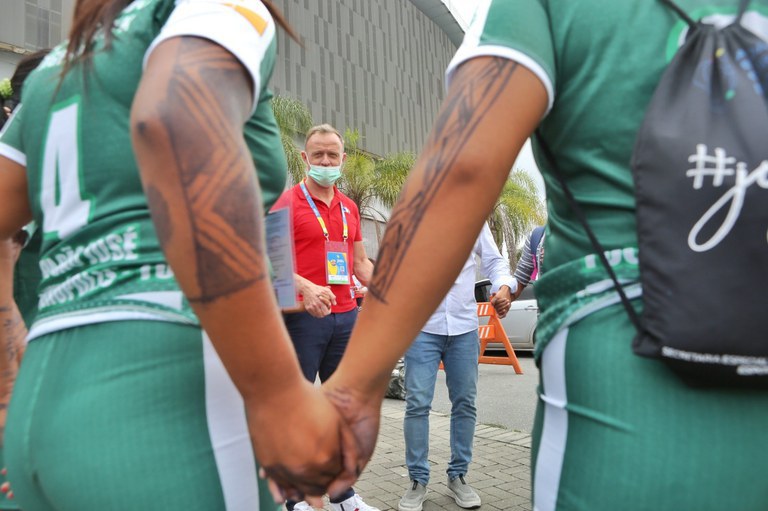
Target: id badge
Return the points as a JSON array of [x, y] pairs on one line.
[[336, 263]]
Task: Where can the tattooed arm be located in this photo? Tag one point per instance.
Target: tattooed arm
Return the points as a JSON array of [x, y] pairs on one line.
[[492, 106], [12, 329], [14, 214], [187, 129]]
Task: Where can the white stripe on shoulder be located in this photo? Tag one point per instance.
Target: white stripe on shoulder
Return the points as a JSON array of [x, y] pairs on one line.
[[13, 154], [243, 27], [470, 48], [467, 53]]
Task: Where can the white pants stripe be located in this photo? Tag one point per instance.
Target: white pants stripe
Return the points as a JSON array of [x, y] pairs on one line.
[[229, 435], [549, 461]]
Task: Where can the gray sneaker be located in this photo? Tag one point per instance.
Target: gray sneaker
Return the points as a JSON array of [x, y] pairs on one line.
[[463, 493], [413, 498]]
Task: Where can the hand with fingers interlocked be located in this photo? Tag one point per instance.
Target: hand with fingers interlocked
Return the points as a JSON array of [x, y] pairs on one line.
[[301, 461]]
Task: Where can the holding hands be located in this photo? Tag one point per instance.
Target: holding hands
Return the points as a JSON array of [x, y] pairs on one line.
[[502, 300], [303, 444], [306, 458], [318, 300]]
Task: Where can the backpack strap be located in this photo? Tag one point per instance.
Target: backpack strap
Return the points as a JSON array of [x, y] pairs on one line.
[[536, 235], [743, 4], [672, 5], [633, 316], [742, 9], [535, 241]]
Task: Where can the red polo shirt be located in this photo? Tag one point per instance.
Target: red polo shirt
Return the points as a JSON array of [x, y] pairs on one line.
[[309, 242]]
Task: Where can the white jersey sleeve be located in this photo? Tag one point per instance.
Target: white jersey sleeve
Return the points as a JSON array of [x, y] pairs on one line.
[[514, 30], [243, 27]]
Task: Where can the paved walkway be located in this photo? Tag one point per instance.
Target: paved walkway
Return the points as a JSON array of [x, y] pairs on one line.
[[500, 469]]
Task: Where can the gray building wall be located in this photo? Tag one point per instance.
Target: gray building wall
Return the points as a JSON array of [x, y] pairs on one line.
[[372, 65], [29, 25], [375, 66]]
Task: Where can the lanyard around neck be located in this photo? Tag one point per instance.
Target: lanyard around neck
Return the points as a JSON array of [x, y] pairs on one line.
[[320, 218]]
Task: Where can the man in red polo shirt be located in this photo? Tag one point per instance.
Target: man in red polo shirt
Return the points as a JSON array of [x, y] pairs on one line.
[[329, 250]]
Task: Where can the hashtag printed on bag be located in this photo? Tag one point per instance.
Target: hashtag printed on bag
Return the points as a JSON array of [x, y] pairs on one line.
[[700, 168]]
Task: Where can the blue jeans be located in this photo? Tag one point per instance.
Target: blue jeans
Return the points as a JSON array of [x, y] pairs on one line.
[[459, 354], [320, 342]]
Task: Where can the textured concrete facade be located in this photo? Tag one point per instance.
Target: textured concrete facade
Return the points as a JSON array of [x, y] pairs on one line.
[[373, 65], [28, 25]]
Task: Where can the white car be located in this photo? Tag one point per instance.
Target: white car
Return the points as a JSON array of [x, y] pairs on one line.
[[519, 323]]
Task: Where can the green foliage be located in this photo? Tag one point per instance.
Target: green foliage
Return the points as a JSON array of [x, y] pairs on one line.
[[518, 210], [6, 91], [294, 120], [391, 173], [292, 116], [373, 183]]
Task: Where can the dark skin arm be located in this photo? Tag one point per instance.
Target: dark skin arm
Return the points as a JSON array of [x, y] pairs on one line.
[[14, 214], [13, 332], [465, 156], [200, 181]]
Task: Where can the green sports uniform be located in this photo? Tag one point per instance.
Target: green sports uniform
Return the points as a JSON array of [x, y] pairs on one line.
[[614, 430], [106, 287], [26, 277]]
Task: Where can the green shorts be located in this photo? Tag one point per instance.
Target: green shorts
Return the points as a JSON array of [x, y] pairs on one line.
[[615, 431], [129, 415]]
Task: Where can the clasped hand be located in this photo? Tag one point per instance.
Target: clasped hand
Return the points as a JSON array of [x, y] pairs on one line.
[[310, 441], [318, 300]]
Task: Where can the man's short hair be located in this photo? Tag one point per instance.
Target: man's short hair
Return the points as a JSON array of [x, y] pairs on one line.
[[323, 129]]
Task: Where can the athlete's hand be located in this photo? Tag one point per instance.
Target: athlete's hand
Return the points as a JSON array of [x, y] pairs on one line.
[[362, 414], [318, 300], [301, 442]]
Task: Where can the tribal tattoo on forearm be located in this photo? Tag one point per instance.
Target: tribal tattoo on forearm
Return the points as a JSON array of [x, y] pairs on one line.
[[219, 193], [12, 335], [476, 94]]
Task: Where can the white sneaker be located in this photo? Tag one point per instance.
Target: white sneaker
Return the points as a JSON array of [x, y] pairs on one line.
[[413, 499], [303, 506], [353, 503], [464, 495]]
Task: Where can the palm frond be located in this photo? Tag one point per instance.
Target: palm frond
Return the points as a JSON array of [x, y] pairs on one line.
[[518, 209], [292, 116], [293, 120], [391, 174], [296, 167]]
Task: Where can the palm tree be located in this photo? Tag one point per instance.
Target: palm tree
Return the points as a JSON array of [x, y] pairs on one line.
[[294, 120], [391, 173], [373, 183], [518, 209]]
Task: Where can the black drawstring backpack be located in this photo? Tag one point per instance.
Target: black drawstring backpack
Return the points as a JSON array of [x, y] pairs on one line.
[[700, 167]]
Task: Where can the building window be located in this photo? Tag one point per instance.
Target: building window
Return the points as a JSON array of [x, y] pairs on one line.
[[42, 27]]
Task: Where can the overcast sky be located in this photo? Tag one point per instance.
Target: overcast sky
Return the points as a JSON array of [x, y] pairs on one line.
[[463, 11]]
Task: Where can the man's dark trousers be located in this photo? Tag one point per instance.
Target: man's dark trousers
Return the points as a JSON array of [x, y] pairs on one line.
[[320, 342]]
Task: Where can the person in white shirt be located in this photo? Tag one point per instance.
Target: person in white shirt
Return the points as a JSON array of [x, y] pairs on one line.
[[450, 335]]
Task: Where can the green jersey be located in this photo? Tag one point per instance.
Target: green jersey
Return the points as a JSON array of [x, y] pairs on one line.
[[585, 53], [26, 276], [100, 257]]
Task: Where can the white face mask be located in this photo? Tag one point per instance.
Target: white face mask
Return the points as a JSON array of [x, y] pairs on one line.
[[324, 176]]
